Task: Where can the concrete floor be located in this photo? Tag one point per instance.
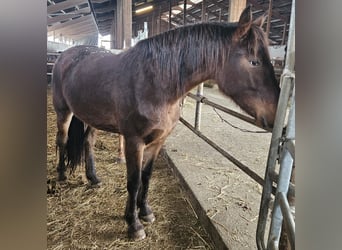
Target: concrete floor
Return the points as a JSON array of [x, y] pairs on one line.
[[225, 199]]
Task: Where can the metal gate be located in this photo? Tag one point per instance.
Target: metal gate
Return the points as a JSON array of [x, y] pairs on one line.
[[282, 148]]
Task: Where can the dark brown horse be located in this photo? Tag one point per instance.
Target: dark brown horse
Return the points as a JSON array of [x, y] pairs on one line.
[[137, 95]]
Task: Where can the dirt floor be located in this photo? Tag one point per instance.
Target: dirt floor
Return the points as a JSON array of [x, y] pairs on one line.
[[79, 217]]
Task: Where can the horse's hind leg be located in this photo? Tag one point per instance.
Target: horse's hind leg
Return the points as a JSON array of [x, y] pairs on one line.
[[63, 121], [150, 155], [134, 148], [89, 142], [121, 151]]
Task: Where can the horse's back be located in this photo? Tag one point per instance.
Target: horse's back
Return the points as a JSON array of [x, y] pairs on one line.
[[74, 64], [70, 58], [84, 82]]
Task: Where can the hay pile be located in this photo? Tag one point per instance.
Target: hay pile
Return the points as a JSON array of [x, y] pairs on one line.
[[79, 217]]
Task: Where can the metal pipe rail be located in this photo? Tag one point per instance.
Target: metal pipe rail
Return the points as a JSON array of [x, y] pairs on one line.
[[231, 158], [203, 99], [288, 218], [244, 168]]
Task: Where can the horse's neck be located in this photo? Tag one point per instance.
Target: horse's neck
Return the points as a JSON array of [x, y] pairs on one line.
[[197, 71], [196, 79], [204, 70]]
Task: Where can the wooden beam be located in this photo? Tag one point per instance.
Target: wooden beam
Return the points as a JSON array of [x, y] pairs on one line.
[[99, 1], [72, 22], [105, 17], [104, 9], [218, 4], [64, 5], [275, 13], [67, 16], [74, 30]]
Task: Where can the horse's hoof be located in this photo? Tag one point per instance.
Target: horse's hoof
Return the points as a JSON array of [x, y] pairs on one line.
[[96, 185], [61, 178], [94, 181], [120, 160], [137, 235], [150, 218]]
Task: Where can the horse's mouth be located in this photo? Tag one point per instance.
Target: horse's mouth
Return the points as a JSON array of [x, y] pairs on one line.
[[262, 122]]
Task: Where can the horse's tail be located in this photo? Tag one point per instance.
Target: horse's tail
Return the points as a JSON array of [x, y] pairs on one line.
[[75, 143]]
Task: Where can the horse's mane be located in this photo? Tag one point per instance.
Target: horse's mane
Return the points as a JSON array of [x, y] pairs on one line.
[[173, 54]]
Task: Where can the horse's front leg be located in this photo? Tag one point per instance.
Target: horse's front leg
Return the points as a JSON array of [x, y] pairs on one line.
[[134, 148], [150, 155]]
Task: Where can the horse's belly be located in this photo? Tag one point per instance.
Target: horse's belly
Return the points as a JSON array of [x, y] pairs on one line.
[[96, 114], [101, 122]]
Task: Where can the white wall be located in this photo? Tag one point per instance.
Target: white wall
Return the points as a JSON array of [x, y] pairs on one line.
[[277, 52]]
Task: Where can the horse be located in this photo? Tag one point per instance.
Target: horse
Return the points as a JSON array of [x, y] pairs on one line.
[[137, 93]]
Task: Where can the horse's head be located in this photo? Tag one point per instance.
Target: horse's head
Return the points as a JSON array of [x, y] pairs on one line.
[[248, 75]]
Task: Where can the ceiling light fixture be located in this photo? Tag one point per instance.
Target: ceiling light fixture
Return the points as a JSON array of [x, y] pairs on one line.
[[144, 9]]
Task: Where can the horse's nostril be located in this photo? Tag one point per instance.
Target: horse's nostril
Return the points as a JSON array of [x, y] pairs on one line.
[[265, 123]]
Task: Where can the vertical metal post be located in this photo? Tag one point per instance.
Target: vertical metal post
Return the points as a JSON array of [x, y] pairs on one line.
[[290, 55], [170, 13], [284, 34], [184, 13], [200, 87], [283, 183]]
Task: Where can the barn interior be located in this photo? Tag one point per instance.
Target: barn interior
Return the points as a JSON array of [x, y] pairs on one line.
[[77, 21], [118, 25]]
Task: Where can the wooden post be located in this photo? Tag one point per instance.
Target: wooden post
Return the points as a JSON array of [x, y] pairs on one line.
[[122, 30], [153, 26], [235, 9], [127, 23], [119, 25], [203, 10], [269, 17], [113, 32], [159, 21], [284, 34]]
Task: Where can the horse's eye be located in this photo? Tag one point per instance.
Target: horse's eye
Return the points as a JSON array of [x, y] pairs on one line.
[[254, 62]]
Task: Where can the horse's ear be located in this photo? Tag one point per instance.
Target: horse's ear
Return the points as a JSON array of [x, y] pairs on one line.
[[260, 20], [244, 23]]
